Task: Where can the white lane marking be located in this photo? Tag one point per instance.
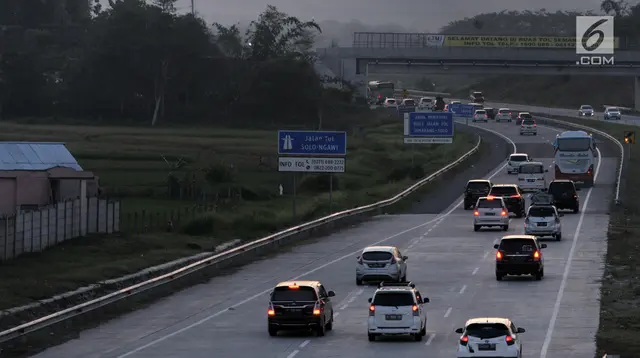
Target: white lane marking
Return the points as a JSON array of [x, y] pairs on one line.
[[567, 266], [486, 253], [431, 337], [304, 344], [464, 287], [446, 314], [343, 307], [475, 270], [436, 220], [293, 354], [336, 314], [352, 299]]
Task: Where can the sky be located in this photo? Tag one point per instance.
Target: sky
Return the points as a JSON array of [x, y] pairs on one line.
[[421, 15]]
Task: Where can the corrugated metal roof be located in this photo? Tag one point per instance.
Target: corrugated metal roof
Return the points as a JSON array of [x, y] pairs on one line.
[[35, 156]]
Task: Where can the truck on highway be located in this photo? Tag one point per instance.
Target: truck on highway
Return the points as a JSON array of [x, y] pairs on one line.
[[379, 91], [574, 157]]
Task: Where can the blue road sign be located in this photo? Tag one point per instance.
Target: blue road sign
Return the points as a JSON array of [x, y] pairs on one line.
[[462, 110], [405, 109], [312, 143], [429, 124]]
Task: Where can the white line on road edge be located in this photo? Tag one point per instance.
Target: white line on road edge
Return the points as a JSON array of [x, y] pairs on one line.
[[251, 298], [464, 287], [567, 266], [446, 314], [293, 354], [431, 337], [304, 344]]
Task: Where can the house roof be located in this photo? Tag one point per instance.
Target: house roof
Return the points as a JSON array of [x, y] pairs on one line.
[[35, 156]]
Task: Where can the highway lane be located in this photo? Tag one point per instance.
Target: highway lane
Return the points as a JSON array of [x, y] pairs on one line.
[[451, 264]]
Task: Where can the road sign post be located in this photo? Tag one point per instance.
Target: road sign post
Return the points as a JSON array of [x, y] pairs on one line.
[[428, 127], [312, 152]]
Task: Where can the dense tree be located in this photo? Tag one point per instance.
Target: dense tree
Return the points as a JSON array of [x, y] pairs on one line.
[[140, 61]]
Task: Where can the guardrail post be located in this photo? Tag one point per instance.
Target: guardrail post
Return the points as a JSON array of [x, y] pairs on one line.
[[6, 238]]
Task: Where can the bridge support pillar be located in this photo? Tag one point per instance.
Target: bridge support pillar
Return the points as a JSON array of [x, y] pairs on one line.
[[636, 93]]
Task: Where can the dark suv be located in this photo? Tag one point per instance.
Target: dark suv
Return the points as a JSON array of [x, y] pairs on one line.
[[300, 305], [512, 196], [474, 190], [519, 255], [565, 195]]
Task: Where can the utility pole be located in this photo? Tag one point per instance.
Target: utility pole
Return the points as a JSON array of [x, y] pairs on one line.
[[193, 8]]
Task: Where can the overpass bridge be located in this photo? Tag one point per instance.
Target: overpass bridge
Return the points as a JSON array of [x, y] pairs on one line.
[[356, 63]]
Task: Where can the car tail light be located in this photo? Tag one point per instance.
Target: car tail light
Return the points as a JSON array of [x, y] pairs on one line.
[[517, 196], [498, 255], [575, 196], [536, 255], [415, 310], [504, 213], [590, 171], [271, 311], [509, 340], [476, 213], [372, 310], [490, 197], [464, 340], [317, 309], [540, 178], [360, 262]]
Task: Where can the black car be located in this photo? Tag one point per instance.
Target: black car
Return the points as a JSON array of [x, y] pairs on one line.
[[300, 305], [519, 255], [474, 190], [512, 196], [491, 112], [565, 195]]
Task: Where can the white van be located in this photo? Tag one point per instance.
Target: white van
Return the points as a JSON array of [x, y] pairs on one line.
[[531, 176]]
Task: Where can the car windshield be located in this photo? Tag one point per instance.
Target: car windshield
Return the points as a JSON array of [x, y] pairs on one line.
[[525, 115], [518, 158], [573, 144], [517, 245], [612, 110], [503, 191], [531, 169], [490, 204], [586, 107], [528, 122], [541, 211], [478, 186], [299, 294], [377, 256], [557, 189], [393, 299], [487, 330]]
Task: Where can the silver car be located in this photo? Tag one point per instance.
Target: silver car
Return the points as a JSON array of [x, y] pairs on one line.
[[586, 111], [504, 114], [490, 212], [612, 113], [381, 263], [543, 220]]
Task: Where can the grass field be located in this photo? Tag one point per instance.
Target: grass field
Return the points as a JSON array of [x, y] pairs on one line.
[[128, 162], [620, 292]]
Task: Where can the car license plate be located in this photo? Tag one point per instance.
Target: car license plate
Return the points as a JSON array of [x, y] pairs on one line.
[[486, 347], [531, 180], [490, 214], [542, 224], [393, 317]]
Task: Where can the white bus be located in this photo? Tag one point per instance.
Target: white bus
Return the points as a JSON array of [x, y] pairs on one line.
[[574, 157]]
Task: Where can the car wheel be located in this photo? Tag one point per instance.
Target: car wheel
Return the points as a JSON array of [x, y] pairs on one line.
[[476, 227], [330, 324], [505, 228], [321, 330], [499, 276], [417, 337], [576, 210], [423, 332], [539, 275], [273, 331], [542, 272], [358, 282], [372, 338], [558, 237]]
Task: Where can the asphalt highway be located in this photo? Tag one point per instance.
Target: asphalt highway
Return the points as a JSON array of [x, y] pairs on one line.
[[449, 262]]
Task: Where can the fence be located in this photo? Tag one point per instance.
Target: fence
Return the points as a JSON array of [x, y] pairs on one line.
[[154, 221], [37, 230]]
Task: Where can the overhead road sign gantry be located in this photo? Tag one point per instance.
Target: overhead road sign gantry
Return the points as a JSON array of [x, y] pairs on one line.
[[312, 143], [311, 165], [428, 127], [568, 42], [462, 110]]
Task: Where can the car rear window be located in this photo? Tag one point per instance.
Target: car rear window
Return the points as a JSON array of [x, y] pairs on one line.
[[530, 169], [377, 256], [542, 211], [504, 111], [393, 299], [528, 122], [409, 102], [587, 107], [489, 204], [427, 100], [525, 115], [518, 158], [478, 186], [517, 245], [299, 294], [503, 190], [561, 188], [481, 112], [487, 330]]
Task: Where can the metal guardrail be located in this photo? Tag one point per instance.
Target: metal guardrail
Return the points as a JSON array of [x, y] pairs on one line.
[[586, 128], [127, 292]]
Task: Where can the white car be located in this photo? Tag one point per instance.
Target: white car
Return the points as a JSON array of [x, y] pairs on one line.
[[426, 103], [515, 160], [480, 115], [543, 220], [612, 113], [489, 337], [504, 114], [397, 309], [531, 176], [586, 111], [381, 263], [528, 126], [390, 103], [408, 102], [490, 212]]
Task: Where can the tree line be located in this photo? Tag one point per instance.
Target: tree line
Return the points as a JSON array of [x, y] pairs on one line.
[[145, 63]]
